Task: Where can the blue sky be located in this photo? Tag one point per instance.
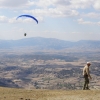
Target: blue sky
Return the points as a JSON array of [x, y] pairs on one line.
[[70, 20]]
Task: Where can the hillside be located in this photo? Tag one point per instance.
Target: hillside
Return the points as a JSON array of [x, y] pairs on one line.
[[22, 94], [48, 70]]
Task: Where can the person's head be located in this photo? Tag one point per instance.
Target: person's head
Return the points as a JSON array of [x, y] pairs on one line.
[[88, 63]]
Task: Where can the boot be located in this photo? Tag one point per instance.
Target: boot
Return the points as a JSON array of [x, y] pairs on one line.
[[87, 88]]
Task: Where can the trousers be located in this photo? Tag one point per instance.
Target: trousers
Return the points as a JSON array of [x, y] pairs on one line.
[[86, 82]]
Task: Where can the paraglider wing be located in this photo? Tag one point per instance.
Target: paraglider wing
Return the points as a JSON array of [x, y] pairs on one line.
[[28, 16]]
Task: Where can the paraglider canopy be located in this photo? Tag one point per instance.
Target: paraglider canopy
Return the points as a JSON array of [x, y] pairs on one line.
[[29, 16]]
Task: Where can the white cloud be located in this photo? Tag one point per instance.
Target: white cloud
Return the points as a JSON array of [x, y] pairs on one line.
[[12, 20], [81, 21], [83, 4], [62, 2], [43, 3], [98, 23], [15, 3], [67, 3], [53, 8], [96, 4], [91, 15], [3, 19], [53, 12], [55, 3]]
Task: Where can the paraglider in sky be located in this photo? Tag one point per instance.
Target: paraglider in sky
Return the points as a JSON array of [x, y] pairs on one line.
[[25, 34], [29, 16]]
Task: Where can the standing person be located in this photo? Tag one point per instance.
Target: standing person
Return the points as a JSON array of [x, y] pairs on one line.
[[86, 74]]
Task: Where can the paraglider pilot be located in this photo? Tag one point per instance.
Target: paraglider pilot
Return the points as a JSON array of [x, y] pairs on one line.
[[25, 34]]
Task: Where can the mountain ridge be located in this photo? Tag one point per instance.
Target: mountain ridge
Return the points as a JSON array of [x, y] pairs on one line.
[[49, 43]]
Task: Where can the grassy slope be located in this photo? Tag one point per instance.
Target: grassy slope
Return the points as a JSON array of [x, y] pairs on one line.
[[22, 94]]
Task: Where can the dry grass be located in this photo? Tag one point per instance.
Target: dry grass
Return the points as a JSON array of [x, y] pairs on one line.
[[22, 94]]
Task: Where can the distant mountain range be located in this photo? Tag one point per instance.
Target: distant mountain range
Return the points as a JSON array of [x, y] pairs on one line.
[[49, 43]]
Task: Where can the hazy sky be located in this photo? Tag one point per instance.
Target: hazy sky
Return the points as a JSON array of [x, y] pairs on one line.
[[70, 20]]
